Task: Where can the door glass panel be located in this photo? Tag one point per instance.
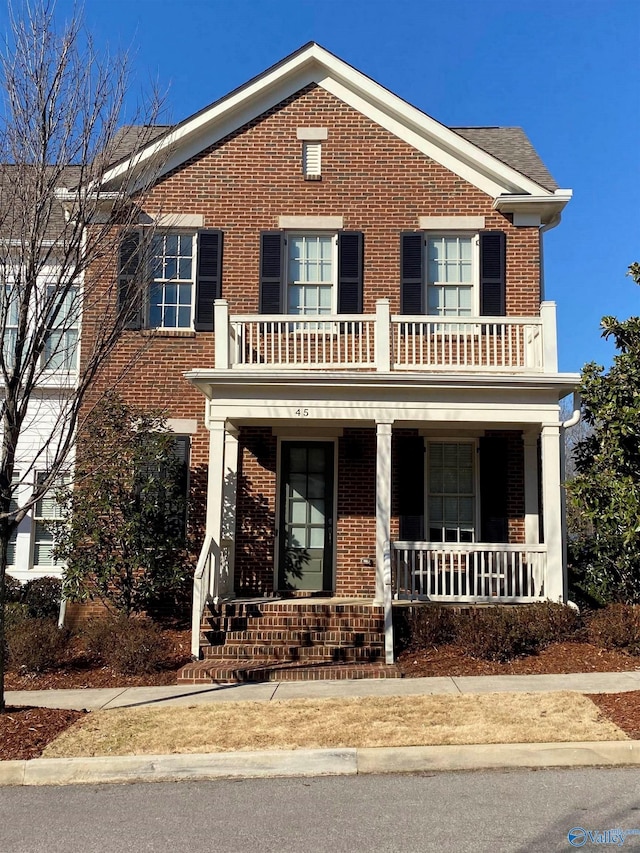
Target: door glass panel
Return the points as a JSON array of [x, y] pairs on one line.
[[298, 485], [316, 537], [298, 459], [316, 487], [316, 515], [298, 512], [316, 459]]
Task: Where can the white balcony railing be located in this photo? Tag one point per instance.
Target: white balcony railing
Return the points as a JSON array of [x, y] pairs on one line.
[[387, 343], [474, 572]]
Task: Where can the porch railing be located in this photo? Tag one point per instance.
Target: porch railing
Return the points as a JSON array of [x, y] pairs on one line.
[[301, 342], [204, 588], [474, 572], [386, 343], [512, 343]]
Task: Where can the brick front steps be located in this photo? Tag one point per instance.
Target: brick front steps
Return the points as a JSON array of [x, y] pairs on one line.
[[289, 640]]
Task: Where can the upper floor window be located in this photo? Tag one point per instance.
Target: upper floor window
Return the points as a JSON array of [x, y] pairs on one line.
[[61, 345], [10, 325], [170, 279], [311, 273], [453, 274], [173, 283]]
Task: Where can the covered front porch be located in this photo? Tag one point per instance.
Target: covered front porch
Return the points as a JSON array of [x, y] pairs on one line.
[[344, 487]]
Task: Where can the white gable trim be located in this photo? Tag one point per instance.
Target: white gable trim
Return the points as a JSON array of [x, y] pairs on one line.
[[313, 64]]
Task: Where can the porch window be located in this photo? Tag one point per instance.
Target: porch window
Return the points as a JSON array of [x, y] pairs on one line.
[[311, 267], [172, 287], [61, 346], [47, 510], [451, 491], [451, 275]]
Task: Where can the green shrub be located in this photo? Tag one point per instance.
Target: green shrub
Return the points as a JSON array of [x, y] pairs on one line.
[[36, 645], [12, 589], [616, 626], [132, 646], [42, 597], [430, 626]]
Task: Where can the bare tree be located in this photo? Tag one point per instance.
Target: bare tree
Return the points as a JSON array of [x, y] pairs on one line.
[[60, 226]]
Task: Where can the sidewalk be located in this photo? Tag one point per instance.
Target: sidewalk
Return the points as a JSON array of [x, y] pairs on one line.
[[132, 697], [314, 762]]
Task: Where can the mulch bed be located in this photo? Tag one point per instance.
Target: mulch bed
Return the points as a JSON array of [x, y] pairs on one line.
[[557, 658], [24, 732], [623, 709]]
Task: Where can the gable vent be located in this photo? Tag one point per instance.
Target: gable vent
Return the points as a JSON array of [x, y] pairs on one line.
[[312, 159]]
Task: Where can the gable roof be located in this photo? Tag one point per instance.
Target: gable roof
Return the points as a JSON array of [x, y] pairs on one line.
[[499, 161]]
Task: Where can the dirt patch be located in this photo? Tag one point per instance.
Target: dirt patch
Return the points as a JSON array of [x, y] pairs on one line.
[[25, 732], [557, 658]]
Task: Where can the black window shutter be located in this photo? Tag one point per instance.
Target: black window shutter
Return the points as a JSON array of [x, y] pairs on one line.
[[350, 269], [271, 270], [410, 487], [493, 489], [130, 280], [492, 273], [209, 278], [411, 273]]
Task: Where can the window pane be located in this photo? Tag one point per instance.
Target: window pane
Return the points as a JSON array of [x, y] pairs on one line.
[[316, 514], [316, 537], [171, 244], [169, 318], [297, 459]]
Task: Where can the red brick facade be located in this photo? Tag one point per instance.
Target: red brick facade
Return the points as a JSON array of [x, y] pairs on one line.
[[380, 185]]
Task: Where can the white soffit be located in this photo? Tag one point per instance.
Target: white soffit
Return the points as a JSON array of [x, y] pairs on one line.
[[313, 64]]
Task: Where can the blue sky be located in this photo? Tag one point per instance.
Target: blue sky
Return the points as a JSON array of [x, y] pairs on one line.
[[568, 71]]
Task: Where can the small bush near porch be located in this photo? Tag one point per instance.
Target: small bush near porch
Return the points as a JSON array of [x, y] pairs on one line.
[[505, 634]]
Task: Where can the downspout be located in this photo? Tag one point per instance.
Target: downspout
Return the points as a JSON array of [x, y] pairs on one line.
[[570, 422]]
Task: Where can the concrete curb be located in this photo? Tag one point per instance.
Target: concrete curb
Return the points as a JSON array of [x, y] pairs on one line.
[[316, 762]]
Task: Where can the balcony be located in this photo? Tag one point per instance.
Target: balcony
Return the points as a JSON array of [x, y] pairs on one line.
[[385, 342]]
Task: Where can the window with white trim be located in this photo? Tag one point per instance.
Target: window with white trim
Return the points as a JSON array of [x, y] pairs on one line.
[[47, 510], [451, 498], [172, 289], [61, 345], [311, 274], [452, 275], [9, 311], [13, 506]]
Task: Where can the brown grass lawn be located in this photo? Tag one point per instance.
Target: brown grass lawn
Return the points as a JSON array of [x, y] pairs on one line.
[[359, 722]]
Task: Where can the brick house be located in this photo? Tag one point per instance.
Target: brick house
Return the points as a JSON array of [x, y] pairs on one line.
[[349, 324]]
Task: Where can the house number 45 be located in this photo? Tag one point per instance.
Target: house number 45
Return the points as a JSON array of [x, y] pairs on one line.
[[302, 413]]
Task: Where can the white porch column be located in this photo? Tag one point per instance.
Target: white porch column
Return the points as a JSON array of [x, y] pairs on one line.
[[531, 508], [552, 510], [229, 505], [383, 504], [214, 494]]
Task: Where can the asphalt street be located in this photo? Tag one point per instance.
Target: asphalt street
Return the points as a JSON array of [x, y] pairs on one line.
[[518, 810]]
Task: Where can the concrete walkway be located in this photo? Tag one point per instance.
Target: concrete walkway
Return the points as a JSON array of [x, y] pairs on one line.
[[132, 697], [318, 762]]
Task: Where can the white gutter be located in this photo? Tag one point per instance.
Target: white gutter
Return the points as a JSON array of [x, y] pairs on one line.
[[577, 411]]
